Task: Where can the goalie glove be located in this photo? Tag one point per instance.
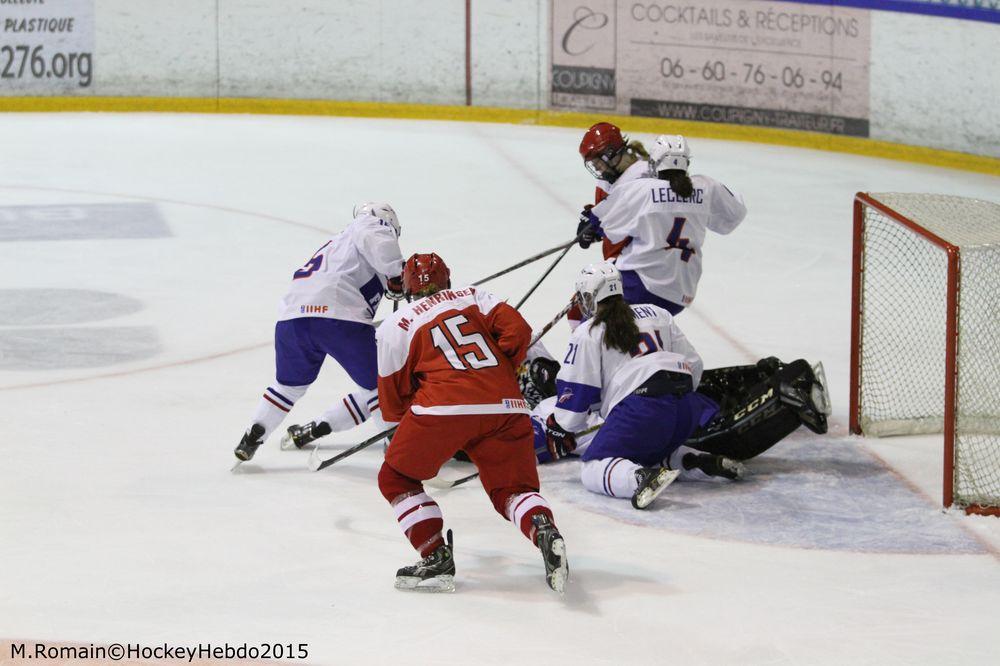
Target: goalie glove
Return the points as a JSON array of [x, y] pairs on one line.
[[394, 288], [586, 231], [559, 441], [543, 373]]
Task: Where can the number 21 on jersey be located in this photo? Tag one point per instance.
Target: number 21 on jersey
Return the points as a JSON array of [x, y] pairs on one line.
[[647, 344]]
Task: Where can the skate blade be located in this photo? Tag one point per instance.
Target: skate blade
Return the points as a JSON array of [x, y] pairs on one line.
[[286, 443], [557, 577], [314, 460], [737, 469], [664, 479], [436, 584]]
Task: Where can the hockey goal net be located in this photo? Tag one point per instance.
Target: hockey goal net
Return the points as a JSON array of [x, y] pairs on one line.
[[925, 332]]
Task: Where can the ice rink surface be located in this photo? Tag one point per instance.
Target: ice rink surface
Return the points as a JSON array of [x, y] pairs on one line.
[[141, 261]]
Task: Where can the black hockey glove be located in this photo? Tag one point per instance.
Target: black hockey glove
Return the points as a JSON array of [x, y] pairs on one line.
[[559, 441], [543, 373], [586, 232], [394, 288]]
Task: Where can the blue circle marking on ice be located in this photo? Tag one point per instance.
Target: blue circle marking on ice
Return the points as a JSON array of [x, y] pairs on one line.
[[40, 332], [46, 307]]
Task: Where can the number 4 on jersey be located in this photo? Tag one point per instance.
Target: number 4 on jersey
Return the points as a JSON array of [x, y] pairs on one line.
[[675, 242], [473, 360]]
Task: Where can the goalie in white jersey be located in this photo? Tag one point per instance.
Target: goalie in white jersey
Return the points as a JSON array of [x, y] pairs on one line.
[[633, 365], [667, 216], [328, 311]]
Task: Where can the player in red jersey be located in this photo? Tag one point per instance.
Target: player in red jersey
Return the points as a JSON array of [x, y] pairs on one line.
[[446, 365], [612, 159]]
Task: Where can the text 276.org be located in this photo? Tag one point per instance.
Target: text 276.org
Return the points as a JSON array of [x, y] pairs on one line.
[[20, 61]]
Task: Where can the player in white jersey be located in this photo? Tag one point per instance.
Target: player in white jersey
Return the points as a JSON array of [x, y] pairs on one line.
[[667, 216], [632, 365], [631, 372], [328, 311], [612, 159]]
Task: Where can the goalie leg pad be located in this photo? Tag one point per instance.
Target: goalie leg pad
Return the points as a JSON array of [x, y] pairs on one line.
[[763, 415], [803, 389]]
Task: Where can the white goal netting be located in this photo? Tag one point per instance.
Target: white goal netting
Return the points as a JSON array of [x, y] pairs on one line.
[[903, 331]]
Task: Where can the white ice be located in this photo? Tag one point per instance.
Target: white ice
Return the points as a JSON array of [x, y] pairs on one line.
[[120, 520]]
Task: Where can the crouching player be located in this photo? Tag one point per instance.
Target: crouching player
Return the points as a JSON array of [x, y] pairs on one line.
[[328, 311], [446, 364]]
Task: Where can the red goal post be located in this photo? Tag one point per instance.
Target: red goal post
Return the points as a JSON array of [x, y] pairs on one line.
[[925, 332]]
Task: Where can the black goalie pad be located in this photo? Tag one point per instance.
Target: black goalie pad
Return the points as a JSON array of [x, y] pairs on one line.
[[760, 404]]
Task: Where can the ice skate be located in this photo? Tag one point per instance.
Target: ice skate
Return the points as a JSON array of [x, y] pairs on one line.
[[553, 548], [434, 573], [652, 482], [714, 465], [252, 439], [297, 436]]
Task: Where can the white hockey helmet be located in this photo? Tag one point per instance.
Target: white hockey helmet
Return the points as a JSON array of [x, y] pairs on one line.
[[382, 211], [597, 281], [671, 151]]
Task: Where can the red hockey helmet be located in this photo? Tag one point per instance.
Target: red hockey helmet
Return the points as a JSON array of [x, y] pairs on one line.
[[601, 148], [425, 274]]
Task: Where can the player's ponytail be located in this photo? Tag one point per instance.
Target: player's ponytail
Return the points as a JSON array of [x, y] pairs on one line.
[[680, 182], [620, 330], [640, 150]]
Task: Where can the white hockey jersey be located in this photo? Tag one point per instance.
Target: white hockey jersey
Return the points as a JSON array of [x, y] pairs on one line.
[[346, 277], [595, 378], [667, 231], [638, 169]]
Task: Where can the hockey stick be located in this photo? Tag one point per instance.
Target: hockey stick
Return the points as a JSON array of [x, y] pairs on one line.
[[540, 255], [545, 274], [315, 464], [555, 320], [446, 485]]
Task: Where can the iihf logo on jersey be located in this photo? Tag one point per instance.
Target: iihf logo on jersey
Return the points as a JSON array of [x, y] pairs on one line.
[[566, 396], [313, 309]]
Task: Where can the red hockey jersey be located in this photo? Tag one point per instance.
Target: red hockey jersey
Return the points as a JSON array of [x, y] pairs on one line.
[[454, 352]]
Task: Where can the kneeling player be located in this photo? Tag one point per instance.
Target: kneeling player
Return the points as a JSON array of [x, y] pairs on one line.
[[635, 366], [446, 373]]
